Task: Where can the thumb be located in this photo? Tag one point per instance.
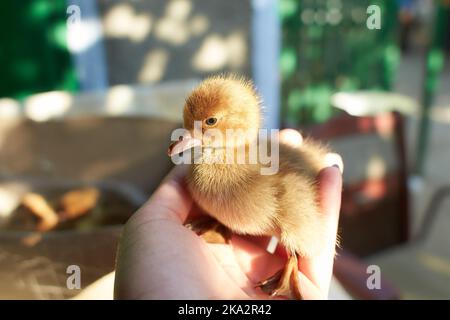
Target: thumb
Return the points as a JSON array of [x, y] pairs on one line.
[[319, 268], [170, 201]]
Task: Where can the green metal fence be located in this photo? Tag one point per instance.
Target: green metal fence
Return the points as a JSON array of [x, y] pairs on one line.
[[434, 64], [327, 47]]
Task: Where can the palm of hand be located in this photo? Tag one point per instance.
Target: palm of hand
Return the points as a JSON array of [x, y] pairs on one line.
[[159, 258]]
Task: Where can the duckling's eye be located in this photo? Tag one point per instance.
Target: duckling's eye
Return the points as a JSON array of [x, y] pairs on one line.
[[211, 121]]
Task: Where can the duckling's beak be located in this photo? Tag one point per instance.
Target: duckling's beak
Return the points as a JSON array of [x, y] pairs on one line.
[[186, 142]]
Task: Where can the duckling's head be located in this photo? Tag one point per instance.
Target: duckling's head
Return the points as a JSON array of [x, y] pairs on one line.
[[223, 104]]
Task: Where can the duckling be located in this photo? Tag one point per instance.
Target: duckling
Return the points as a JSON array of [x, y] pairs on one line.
[[238, 195]]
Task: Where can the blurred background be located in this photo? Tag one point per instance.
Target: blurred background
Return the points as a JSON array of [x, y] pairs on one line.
[[91, 90]]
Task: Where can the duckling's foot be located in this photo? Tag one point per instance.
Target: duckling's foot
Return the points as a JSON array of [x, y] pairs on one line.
[[210, 230], [285, 282]]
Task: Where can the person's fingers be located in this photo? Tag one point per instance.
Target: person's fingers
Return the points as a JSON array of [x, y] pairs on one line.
[[170, 201], [253, 258], [308, 289], [319, 268]]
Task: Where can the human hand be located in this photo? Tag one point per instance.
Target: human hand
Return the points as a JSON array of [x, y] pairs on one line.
[[159, 258]]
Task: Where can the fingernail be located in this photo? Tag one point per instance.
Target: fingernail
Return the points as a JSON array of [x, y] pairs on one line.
[[337, 167], [334, 160]]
